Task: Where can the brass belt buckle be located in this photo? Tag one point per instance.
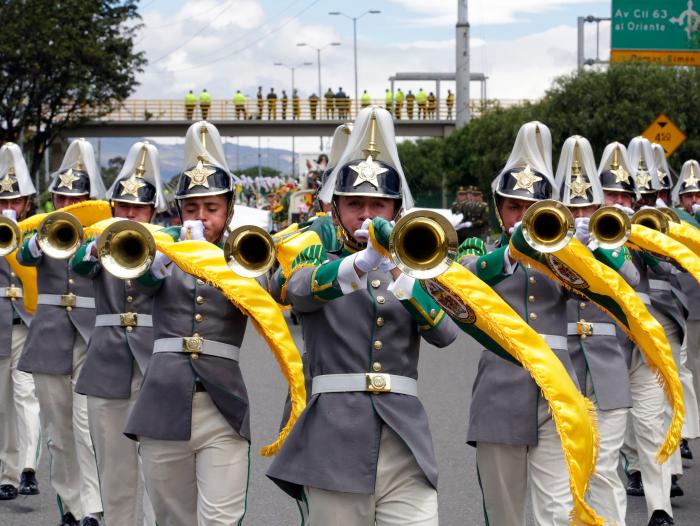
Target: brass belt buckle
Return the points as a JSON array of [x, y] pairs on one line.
[[378, 382], [585, 329], [192, 344], [13, 292], [128, 319], [68, 300]]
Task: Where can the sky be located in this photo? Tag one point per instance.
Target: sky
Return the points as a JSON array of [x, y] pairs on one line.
[[226, 45]]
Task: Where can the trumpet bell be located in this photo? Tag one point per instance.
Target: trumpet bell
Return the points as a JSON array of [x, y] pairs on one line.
[[9, 236], [59, 235], [548, 226], [423, 244], [671, 214], [610, 227], [126, 249], [651, 218], [249, 251]]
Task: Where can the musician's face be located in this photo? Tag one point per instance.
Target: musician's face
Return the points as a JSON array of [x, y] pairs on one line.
[[211, 210], [20, 205], [134, 212], [583, 211], [690, 199], [512, 211], [354, 209], [62, 201], [619, 198]]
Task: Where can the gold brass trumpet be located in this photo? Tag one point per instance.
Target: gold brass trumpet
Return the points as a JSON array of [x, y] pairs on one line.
[[249, 251], [423, 244], [651, 218], [672, 215], [59, 235], [9, 236], [548, 226], [609, 227], [126, 249]]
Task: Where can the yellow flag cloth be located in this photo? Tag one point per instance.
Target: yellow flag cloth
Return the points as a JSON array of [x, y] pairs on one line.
[[206, 261], [657, 243], [577, 269], [87, 212], [477, 308], [685, 233]]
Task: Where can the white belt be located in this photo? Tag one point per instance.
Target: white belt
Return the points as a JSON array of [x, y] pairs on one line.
[[124, 319], [67, 300], [555, 342], [197, 345], [11, 292], [585, 328], [644, 297], [657, 284], [364, 382]]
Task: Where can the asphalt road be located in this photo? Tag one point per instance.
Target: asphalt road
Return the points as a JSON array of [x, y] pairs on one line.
[[445, 382]]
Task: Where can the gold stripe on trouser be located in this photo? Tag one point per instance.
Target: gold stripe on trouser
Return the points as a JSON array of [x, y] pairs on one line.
[[118, 463], [65, 425], [606, 492], [644, 435], [690, 372], [505, 470], [202, 480], [402, 497]]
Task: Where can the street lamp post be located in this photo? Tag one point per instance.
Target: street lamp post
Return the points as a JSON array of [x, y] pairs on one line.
[[292, 69], [354, 38]]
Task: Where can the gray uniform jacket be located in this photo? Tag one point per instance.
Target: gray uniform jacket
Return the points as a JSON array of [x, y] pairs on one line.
[[601, 356], [504, 396], [10, 308], [49, 345], [112, 349], [334, 444], [184, 306], [663, 296], [690, 287]]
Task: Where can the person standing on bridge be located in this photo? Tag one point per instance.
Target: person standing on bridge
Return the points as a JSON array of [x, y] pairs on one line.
[[239, 104], [342, 103], [285, 100], [422, 101], [204, 103], [450, 101], [398, 103], [190, 104], [330, 103], [410, 101], [296, 105], [389, 100], [272, 104], [313, 105], [260, 103], [365, 100]]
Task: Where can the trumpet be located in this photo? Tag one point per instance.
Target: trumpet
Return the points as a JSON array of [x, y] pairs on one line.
[[610, 227], [249, 251], [423, 244], [548, 226], [651, 218], [671, 214], [126, 249], [59, 235], [9, 236]]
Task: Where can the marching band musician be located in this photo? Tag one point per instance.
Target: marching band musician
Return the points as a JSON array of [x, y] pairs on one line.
[[56, 345]]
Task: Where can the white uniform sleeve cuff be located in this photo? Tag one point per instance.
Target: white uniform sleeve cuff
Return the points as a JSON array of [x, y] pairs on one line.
[[34, 249], [348, 279], [402, 287], [508, 267]]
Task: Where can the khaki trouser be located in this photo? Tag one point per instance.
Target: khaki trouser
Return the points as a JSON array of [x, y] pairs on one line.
[[402, 495], [690, 372], [606, 493], [645, 434], [64, 419], [504, 472], [118, 463], [19, 414], [203, 480]]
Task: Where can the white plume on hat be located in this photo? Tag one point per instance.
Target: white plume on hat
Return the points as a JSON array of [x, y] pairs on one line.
[[691, 166], [11, 157], [638, 149], [341, 137], [151, 172], [80, 152], [385, 140], [622, 159], [660, 161], [588, 169], [194, 149]]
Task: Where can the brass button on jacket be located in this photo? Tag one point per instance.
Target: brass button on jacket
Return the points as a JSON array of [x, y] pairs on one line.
[[376, 367]]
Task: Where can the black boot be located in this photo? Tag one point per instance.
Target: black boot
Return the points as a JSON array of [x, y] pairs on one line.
[[8, 492], [660, 518], [686, 453], [68, 520], [635, 487], [28, 484], [676, 490]]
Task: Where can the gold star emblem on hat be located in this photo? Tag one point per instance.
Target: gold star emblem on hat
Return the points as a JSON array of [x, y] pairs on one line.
[[691, 180], [6, 184], [132, 185], [643, 179], [367, 171], [578, 187], [199, 175], [526, 179], [621, 175], [67, 179], [662, 175]]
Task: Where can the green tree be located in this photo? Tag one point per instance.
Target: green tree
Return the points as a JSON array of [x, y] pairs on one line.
[[252, 171], [62, 61], [109, 173]]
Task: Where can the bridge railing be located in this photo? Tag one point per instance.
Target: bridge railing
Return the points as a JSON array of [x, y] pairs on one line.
[[302, 109]]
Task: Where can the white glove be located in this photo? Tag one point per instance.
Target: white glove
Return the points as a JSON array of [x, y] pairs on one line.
[[660, 203], [508, 267], [582, 233], [10, 214], [696, 208], [88, 250], [34, 248], [192, 230], [363, 231], [387, 265], [468, 224], [161, 268], [514, 227], [368, 258], [625, 209]]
